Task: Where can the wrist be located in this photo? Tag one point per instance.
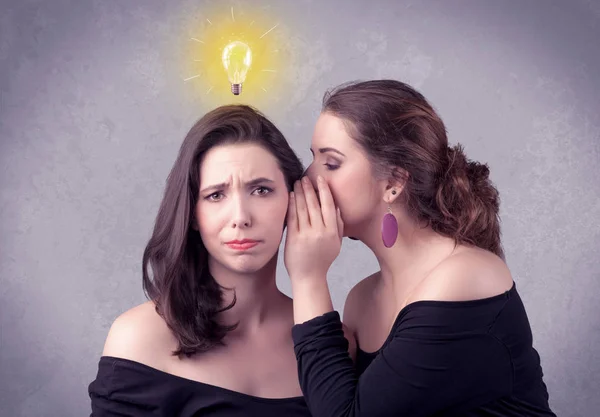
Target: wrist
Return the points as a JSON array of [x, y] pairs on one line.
[[306, 285], [311, 299], [303, 278]]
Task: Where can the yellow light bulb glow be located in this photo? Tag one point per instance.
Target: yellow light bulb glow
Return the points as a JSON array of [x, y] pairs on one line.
[[215, 43], [237, 59]]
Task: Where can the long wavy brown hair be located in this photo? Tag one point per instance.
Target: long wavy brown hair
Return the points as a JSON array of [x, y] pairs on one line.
[[175, 262], [398, 128]]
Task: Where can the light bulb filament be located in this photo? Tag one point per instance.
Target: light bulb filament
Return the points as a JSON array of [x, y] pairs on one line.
[[237, 59]]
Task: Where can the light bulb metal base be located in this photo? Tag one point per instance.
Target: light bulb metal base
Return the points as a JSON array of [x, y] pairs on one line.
[[236, 89]]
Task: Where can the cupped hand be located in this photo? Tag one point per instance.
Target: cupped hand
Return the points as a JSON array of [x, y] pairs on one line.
[[314, 231]]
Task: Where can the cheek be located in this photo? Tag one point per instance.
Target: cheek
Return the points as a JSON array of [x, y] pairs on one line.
[[352, 194], [274, 212], [209, 222], [336, 182], [346, 187]]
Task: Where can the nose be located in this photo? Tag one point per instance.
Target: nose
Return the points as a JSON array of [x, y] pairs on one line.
[[241, 217]]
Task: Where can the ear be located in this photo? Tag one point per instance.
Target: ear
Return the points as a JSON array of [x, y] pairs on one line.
[[395, 185]]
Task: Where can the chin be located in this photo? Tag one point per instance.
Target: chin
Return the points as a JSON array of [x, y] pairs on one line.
[[246, 270], [250, 264], [247, 267]]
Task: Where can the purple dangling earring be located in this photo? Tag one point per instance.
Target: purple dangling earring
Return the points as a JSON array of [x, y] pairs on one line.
[[389, 228]]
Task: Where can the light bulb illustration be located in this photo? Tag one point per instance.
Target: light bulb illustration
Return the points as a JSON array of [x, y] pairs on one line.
[[237, 58], [239, 46]]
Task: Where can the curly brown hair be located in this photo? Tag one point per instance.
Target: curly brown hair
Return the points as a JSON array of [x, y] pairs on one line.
[[397, 128]]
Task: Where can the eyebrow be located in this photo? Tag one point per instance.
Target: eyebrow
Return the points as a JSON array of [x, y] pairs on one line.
[[325, 150], [251, 183]]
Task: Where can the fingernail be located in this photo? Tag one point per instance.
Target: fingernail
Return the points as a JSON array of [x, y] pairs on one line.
[[319, 178], [305, 180]]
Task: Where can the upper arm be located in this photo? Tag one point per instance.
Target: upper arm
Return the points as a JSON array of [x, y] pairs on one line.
[[352, 307], [349, 316], [355, 301], [349, 323]]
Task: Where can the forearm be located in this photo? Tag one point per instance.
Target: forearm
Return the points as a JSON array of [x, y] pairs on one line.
[[311, 298], [325, 370]]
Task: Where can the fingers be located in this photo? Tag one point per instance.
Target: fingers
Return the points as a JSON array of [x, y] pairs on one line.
[[301, 209], [328, 208], [312, 204], [292, 217], [340, 224]]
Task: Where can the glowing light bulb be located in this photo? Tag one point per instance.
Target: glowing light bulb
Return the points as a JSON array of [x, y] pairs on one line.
[[237, 58]]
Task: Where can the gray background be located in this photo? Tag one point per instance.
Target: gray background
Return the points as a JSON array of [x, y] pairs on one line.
[[93, 110]]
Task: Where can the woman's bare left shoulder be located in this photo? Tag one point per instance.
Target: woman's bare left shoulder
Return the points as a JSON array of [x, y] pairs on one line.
[[470, 273]]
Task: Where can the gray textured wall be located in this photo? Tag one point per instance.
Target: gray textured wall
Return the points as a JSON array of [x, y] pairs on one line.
[[93, 109]]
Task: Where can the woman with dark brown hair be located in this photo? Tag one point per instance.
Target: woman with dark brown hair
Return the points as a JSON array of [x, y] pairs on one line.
[[214, 339], [440, 329]]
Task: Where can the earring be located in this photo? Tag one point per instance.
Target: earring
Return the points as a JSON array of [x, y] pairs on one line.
[[389, 229]]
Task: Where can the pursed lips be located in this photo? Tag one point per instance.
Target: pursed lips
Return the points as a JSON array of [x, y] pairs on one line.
[[242, 244]]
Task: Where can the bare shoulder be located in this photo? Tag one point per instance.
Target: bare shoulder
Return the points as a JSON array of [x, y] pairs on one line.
[[469, 274], [357, 297], [139, 334]]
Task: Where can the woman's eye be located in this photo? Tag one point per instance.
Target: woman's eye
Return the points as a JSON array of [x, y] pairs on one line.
[[331, 167], [216, 196], [262, 190]]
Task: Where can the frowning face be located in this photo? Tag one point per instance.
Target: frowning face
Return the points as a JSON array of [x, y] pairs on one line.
[[241, 206]]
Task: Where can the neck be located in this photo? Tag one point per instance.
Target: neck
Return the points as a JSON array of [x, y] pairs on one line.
[[256, 293], [417, 250]]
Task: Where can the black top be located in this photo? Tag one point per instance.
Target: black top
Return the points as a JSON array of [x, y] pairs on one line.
[[128, 388], [363, 359], [441, 358]]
